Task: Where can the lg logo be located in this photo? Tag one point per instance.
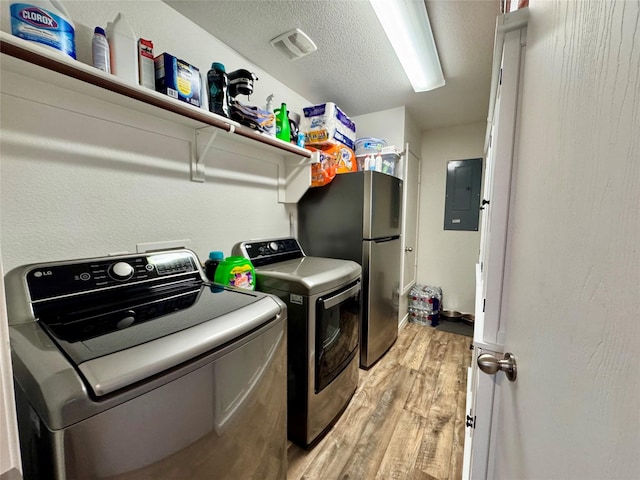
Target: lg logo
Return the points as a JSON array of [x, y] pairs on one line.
[[42, 273]]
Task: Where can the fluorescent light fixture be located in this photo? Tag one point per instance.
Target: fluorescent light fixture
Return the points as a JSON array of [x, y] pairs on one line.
[[407, 26]]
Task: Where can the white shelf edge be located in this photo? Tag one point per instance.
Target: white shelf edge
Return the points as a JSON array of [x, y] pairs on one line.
[[36, 61]]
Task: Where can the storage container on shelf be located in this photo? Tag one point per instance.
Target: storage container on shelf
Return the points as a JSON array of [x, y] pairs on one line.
[[367, 145], [385, 161]]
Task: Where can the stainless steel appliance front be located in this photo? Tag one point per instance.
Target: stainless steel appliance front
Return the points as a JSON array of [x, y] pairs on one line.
[[358, 217], [317, 398], [155, 375], [323, 298], [381, 261]]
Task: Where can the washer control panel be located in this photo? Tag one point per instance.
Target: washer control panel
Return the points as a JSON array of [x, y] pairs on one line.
[[60, 278], [265, 252]]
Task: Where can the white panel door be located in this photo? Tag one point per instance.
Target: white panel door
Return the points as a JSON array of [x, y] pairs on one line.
[[569, 286], [489, 324], [411, 216], [571, 290]]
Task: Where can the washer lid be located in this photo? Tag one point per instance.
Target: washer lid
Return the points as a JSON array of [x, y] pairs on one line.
[[307, 275]]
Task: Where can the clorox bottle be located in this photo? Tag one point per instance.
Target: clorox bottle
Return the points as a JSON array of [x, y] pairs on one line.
[[46, 22]]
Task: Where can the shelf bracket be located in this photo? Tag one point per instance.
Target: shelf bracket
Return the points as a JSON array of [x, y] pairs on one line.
[[295, 179], [197, 159], [293, 172]]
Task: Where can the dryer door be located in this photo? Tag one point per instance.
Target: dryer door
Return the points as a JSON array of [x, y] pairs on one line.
[[337, 321]]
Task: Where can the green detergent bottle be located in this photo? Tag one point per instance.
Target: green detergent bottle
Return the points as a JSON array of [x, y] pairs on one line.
[[283, 129], [236, 272]]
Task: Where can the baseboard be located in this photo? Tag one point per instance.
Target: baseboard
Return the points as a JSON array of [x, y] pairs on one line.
[[403, 322]]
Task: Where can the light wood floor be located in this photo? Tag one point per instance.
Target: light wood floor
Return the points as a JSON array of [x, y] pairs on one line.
[[406, 419]]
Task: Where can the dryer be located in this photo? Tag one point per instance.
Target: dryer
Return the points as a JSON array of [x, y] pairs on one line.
[[323, 298]]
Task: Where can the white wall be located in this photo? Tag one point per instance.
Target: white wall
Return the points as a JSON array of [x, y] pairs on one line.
[[447, 258], [394, 125], [385, 124]]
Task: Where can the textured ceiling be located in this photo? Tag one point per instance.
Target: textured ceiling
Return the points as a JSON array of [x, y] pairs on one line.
[[355, 66]]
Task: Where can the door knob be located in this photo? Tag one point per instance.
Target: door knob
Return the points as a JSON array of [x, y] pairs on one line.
[[491, 365], [408, 249]]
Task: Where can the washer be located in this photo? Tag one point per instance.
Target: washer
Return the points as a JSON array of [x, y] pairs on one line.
[[323, 298], [134, 367]]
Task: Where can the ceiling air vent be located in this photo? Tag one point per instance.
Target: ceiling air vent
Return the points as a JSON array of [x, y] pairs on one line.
[[294, 44]]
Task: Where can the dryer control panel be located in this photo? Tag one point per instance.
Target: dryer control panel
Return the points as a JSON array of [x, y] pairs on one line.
[[267, 251]]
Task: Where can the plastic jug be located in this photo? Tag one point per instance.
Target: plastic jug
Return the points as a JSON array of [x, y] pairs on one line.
[[46, 22], [283, 129], [236, 272], [123, 47]]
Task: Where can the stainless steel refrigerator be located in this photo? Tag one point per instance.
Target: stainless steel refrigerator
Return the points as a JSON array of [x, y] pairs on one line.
[[358, 217]]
